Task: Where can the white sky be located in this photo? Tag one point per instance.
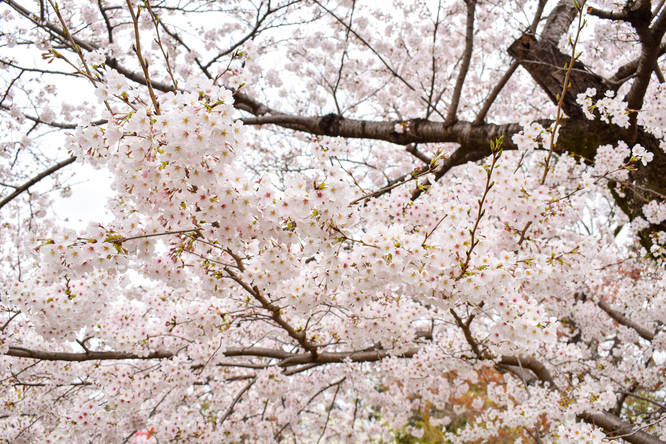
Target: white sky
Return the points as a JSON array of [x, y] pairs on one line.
[[90, 190]]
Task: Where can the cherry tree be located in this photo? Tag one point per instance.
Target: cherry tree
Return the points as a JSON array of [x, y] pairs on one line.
[[334, 221]]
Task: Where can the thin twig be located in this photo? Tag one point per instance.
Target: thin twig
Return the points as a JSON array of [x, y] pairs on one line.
[[558, 114], [330, 408], [156, 21], [496, 148], [230, 410], [143, 62]]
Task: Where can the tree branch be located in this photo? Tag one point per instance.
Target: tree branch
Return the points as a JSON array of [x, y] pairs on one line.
[[559, 21], [300, 335], [21, 188], [473, 137], [627, 71], [240, 394], [530, 363], [545, 63], [610, 423], [21, 352], [607, 421], [481, 116], [464, 67], [614, 425], [608, 15], [287, 359], [622, 319]]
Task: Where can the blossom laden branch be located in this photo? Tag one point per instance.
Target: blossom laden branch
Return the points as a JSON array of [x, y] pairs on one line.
[[622, 319], [496, 148], [299, 336], [279, 284]]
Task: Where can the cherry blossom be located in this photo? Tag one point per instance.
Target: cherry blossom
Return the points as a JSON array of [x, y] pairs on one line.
[[333, 221]]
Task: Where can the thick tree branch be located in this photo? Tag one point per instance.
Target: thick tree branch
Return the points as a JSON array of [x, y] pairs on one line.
[[530, 363], [559, 21], [21, 352], [650, 39], [545, 63], [288, 359], [43, 355], [472, 137], [608, 15], [259, 352]]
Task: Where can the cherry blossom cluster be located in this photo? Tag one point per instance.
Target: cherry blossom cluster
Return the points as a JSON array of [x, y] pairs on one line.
[[252, 289], [651, 115], [303, 245], [611, 109]]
